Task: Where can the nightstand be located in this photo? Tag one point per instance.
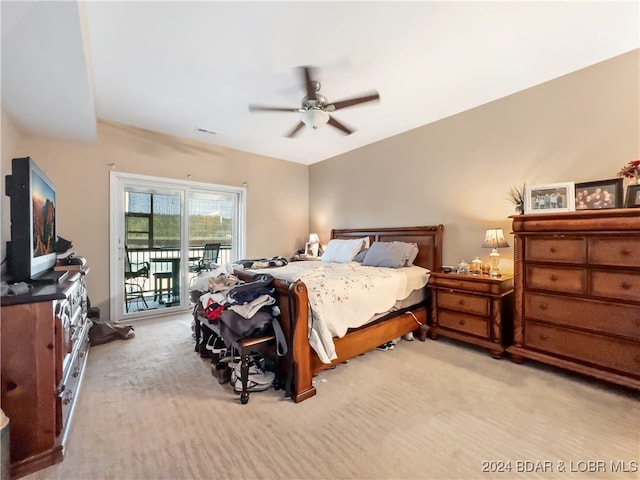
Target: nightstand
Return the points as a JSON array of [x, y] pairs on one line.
[[476, 309]]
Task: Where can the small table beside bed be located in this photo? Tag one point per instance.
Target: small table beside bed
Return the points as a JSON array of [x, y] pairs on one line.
[[298, 318]]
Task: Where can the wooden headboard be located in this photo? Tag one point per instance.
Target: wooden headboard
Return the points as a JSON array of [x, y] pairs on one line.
[[428, 238]]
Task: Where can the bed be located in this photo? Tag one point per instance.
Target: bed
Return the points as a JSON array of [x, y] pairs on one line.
[[292, 298]]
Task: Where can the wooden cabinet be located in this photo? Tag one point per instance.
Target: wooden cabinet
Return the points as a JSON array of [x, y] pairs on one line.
[[472, 308], [45, 343], [577, 292]]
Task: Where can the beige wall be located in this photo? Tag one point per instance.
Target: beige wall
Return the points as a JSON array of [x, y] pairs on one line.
[[277, 191], [457, 171], [581, 127]]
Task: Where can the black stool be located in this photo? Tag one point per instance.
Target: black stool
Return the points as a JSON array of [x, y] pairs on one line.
[[266, 345]]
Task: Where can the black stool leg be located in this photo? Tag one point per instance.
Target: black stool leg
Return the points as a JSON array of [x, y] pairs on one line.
[[277, 382], [244, 377], [197, 332]]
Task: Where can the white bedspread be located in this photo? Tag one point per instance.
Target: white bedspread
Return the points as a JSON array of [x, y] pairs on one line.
[[347, 295]]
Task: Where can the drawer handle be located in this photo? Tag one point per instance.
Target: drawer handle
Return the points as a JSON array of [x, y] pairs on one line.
[[543, 336], [625, 252], [554, 277], [626, 285], [462, 322], [552, 249], [543, 306], [461, 302]]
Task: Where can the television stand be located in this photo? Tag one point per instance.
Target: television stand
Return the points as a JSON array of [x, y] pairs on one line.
[[50, 276], [44, 345]]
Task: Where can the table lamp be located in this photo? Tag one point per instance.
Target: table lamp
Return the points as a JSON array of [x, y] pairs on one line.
[[314, 243], [494, 239]]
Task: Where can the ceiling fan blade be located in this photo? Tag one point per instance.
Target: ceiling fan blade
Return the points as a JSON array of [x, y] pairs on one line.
[[261, 108], [293, 132], [308, 83], [350, 102], [334, 123]]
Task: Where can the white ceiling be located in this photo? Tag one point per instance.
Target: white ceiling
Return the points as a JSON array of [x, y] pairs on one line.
[[174, 67]]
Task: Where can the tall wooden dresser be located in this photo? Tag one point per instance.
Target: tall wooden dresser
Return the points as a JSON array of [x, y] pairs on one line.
[[577, 292], [45, 344]]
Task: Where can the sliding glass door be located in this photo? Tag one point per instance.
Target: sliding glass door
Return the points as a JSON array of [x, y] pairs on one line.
[[168, 232]]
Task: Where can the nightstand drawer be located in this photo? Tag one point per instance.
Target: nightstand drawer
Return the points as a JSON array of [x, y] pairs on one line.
[[617, 251], [464, 303], [561, 249], [595, 349], [464, 323], [591, 315], [556, 279], [619, 285]]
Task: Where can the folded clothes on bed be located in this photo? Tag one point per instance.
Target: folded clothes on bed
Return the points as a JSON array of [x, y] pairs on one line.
[[262, 262]]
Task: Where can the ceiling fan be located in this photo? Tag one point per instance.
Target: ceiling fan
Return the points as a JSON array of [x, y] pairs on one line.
[[315, 108]]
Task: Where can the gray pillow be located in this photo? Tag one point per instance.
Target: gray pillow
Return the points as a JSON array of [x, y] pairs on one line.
[[386, 254]]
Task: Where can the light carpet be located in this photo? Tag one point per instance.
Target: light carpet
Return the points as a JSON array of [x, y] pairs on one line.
[[150, 409]]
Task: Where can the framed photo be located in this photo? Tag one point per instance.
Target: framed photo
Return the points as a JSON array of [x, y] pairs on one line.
[[550, 198], [633, 196], [601, 194]]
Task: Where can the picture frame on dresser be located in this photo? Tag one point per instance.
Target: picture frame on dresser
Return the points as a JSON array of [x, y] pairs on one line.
[[633, 197], [599, 195], [549, 198]]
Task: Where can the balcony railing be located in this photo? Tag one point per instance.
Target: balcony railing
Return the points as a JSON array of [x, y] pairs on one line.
[[155, 257]]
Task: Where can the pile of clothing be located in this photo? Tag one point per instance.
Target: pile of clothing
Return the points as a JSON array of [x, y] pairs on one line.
[[237, 310], [241, 309]]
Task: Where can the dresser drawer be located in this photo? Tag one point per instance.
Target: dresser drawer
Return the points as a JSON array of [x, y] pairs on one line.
[[560, 249], [557, 279], [615, 251], [591, 315], [464, 323], [618, 285], [463, 303], [603, 351]]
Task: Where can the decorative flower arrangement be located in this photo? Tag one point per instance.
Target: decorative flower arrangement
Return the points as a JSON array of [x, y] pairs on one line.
[[631, 170], [516, 196]]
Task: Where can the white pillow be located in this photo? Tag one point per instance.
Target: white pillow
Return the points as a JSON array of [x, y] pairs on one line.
[[412, 253], [341, 251]]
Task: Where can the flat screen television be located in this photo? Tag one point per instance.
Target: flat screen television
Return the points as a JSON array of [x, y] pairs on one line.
[[31, 253]]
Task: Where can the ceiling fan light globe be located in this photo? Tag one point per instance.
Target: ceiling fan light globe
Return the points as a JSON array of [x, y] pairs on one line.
[[314, 117]]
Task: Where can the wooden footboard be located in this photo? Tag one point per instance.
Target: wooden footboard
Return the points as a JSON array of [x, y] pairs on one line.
[[304, 362]]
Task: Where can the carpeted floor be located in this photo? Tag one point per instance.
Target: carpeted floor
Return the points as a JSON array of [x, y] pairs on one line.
[[150, 409]]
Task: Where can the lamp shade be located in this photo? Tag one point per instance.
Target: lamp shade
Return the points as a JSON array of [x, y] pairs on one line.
[[314, 117], [494, 238], [313, 238]]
